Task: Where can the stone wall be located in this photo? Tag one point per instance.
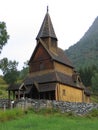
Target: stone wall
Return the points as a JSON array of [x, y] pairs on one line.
[[4, 103], [77, 108]]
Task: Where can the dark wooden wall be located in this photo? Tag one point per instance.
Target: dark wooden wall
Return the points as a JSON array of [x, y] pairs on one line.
[[40, 60]]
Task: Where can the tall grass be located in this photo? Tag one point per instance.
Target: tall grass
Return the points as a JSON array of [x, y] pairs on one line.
[[46, 119], [10, 114], [35, 121]]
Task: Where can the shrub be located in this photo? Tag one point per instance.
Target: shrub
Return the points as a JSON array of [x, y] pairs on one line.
[[93, 113]]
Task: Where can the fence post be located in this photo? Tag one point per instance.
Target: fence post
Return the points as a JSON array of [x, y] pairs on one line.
[[4, 107]]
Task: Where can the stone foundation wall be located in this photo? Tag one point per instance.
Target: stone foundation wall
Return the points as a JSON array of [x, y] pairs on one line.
[[4, 103], [77, 108]]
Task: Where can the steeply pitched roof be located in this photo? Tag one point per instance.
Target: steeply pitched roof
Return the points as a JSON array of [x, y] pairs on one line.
[[46, 29], [59, 57], [52, 77]]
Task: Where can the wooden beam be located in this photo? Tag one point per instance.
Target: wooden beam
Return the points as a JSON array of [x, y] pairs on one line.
[[18, 94]]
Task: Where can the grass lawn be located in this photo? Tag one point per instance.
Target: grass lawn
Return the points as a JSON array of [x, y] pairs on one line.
[[33, 121]]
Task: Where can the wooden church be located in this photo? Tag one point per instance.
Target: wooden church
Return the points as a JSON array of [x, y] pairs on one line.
[[51, 74]]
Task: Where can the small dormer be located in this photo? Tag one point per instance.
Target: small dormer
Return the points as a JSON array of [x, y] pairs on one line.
[[47, 34]]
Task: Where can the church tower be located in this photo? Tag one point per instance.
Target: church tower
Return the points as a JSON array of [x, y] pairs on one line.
[[47, 34]]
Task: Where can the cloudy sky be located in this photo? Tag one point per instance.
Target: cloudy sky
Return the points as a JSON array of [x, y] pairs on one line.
[[70, 18]]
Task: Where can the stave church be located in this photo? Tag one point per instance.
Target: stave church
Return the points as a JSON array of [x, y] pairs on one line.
[[51, 75]]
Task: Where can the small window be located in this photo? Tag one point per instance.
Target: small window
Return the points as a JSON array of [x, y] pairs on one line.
[[64, 92]]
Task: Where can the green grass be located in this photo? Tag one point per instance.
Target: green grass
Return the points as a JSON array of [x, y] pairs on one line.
[[10, 114], [94, 98], [41, 122], [49, 120]]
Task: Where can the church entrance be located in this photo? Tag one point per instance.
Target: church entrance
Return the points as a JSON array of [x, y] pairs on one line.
[[42, 92]]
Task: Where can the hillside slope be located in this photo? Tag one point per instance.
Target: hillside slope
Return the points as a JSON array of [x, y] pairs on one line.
[[3, 87], [85, 51]]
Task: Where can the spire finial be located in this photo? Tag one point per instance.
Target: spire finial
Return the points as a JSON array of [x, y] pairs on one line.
[[47, 9]]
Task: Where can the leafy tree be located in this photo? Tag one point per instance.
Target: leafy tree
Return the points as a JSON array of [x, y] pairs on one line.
[[3, 35], [2, 81], [9, 69], [11, 77], [4, 65], [24, 71]]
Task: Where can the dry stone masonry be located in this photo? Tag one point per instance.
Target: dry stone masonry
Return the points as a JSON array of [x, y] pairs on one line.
[[77, 108], [4, 103]]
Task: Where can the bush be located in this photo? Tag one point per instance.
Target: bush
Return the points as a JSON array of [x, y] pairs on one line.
[[93, 113]]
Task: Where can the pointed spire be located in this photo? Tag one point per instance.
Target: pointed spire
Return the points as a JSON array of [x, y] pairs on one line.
[[46, 29], [47, 9]]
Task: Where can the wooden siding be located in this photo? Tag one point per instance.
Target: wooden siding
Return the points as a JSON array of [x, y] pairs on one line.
[[67, 93], [38, 66], [40, 54], [64, 69], [41, 60], [87, 99]]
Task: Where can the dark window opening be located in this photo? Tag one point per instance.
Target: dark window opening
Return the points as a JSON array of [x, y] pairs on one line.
[[50, 95]]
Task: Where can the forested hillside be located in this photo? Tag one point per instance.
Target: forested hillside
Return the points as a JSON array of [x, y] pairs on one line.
[[85, 52], [84, 55]]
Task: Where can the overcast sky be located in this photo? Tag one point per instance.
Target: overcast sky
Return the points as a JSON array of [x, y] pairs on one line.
[[23, 18]]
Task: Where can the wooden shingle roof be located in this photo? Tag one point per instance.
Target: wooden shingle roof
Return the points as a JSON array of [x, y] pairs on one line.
[[52, 77], [59, 57], [13, 87], [46, 29]]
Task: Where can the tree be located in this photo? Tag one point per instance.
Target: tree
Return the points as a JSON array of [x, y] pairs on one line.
[[86, 75], [24, 71], [95, 83], [9, 69], [89, 76], [3, 35]]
